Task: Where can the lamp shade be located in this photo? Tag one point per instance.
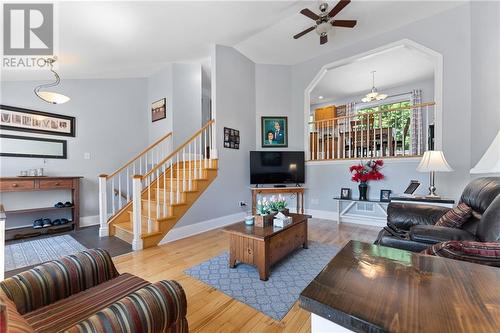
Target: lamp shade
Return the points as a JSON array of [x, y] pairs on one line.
[[433, 160], [490, 162]]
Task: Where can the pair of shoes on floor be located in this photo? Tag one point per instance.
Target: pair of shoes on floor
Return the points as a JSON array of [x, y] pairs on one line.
[[63, 205], [60, 221], [45, 223], [42, 223]]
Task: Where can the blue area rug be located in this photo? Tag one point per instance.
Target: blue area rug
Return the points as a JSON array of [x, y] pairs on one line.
[[276, 296], [34, 252]]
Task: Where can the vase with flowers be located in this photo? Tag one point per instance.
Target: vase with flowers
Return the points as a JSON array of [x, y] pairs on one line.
[[365, 172]]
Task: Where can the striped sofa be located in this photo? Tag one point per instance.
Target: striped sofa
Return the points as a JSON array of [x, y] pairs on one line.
[[85, 293]]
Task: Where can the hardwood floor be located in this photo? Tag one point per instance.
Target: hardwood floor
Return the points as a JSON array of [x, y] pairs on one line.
[[209, 310]]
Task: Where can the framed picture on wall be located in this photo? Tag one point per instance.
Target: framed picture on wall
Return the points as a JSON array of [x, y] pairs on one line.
[[231, 138], [159, 110], [274, 132], [26, 120]]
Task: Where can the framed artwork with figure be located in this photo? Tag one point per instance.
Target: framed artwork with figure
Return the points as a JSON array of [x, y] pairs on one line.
[[274, 132]]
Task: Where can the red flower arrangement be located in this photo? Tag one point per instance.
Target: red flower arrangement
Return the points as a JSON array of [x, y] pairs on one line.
[[364, 172]]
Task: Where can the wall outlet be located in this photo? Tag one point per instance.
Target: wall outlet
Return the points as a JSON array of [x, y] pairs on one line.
[[242, 204], [86, 156], [315, 201]]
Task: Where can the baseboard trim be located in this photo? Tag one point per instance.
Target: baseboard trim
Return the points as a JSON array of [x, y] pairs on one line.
[[200, 227], [87, 221]]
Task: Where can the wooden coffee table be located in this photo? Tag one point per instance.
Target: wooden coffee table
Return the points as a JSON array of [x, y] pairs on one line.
[[263, 247]]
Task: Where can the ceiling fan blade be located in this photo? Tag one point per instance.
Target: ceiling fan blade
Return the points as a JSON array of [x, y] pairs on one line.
[[309, 13], [323, 39], [344, 23], [338, 8], [300, 34]]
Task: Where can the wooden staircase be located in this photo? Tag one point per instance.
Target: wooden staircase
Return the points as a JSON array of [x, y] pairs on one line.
[[154, 229], [163, 194]]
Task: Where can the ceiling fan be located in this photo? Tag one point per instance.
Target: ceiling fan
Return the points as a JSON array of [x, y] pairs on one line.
[[323, 23]]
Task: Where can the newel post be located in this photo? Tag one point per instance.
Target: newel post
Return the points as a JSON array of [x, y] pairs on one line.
[[103, 207], [136, 215]]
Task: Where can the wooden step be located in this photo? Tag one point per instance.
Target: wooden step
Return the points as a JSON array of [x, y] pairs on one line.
[[127, 226]]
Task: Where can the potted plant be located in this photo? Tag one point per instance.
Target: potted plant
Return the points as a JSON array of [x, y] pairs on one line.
[[281, 205], [362, 173]]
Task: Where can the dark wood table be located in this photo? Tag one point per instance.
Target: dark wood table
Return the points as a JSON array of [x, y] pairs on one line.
[[264, 246], [370, 288]]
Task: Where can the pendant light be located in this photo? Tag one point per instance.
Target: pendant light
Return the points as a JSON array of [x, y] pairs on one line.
[[373, 94], [50, 96]]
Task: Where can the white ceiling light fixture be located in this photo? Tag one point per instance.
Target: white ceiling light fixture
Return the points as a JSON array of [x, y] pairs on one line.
[[373, 94], [49, 96], [320, 97]]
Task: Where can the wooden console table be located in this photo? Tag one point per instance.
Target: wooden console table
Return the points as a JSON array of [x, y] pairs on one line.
[[264, 246], [298, 191], [41, 184], [377, 289]]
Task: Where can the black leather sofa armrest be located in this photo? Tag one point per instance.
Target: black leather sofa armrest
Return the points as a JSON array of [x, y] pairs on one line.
[[432, 234], [404, 216]]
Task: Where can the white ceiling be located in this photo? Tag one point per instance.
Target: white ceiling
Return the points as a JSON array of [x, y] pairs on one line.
[[136, 38], [393, 68]]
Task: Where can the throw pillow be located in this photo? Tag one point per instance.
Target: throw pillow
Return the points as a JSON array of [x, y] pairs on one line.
[[454, 218], [476, 252]]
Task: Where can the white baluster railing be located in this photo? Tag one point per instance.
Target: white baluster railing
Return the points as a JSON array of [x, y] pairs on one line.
[[115, 190], [164, 185], [372, 134]]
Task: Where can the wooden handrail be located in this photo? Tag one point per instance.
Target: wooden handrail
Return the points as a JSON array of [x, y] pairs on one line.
[[151, 146], [157, 166], [377, 112]]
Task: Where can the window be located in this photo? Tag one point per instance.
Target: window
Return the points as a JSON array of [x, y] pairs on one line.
[[398, 121]]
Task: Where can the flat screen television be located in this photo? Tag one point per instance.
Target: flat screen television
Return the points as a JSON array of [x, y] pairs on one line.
[[277, 167]]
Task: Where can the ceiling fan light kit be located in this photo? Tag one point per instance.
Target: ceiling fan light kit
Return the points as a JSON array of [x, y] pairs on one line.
[[50, 96], [324, 20]]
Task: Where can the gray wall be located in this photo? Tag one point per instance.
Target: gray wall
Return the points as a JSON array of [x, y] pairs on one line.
[[273, 97], [442, 34], [110, 125], [186, 101], [485, 62], [234, 107], [180, 84], [160, 86]]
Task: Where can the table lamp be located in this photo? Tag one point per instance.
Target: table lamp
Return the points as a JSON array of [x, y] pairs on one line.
[[490, 162], [433, 161]]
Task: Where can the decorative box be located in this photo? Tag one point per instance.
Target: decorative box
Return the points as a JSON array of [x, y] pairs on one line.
[[280, 223], [264, 221]]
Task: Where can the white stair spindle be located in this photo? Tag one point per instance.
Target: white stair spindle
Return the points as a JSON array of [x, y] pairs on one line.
[[128, 185], [157, 194], [201, 156], [177, 197], [136, 215], [190, 183], [426, 127], [184, 169], [205, 151], [164, 201], [149, 205], [119, 191], [103, 207], [113, 195], [172, 181]]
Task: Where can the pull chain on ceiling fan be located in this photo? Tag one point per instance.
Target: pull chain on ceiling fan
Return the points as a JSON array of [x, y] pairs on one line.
[[324, 20]]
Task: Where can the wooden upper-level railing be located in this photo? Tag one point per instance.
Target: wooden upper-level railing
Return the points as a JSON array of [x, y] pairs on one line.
[[395, 132]]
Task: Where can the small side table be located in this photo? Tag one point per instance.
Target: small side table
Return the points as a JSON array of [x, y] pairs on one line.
[[298, 191], [444, 202]]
